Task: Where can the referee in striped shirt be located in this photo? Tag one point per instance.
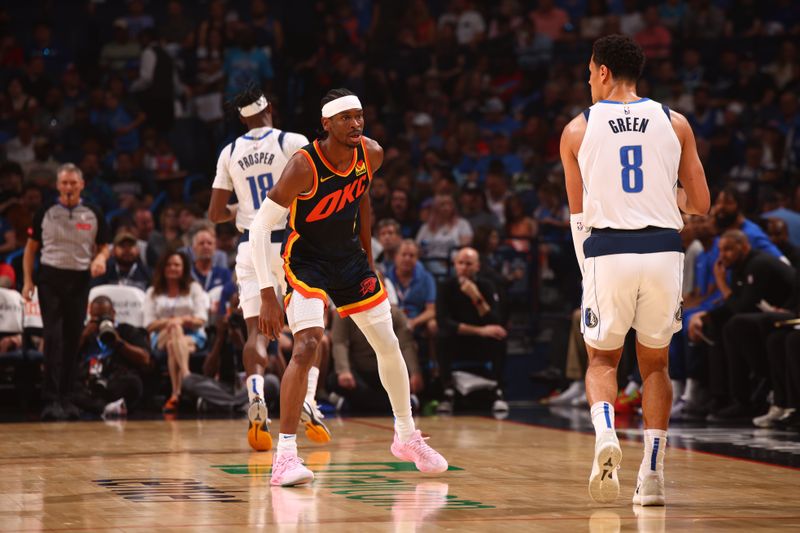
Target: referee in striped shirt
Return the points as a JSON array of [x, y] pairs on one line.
[[73, 239]]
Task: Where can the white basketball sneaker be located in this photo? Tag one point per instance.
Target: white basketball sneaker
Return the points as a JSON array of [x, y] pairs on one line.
[[649, 489], [604, 482]]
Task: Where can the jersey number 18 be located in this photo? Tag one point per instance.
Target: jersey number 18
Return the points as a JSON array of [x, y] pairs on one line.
[[259, 187]]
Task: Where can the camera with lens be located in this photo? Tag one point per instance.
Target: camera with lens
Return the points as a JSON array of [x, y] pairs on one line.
[[106, 330]]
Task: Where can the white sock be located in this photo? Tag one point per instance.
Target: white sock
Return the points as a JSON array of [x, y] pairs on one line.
[[255, 386], [287, 444], [311, 392], [391, 369], [692, 390], [602, 417], [404, 427], [677, 390], [655, 446]]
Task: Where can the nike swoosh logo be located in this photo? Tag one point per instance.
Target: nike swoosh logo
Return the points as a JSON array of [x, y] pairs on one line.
[[323, 180]]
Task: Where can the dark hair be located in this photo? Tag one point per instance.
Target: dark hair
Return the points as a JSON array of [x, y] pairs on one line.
[[11, 167], [330, 96], [388, 222], [102, 300], [250, 94], [508, 205], [732, 192], [160, 281], [621, 55], [195, 210], [28, 186], [333, 94]]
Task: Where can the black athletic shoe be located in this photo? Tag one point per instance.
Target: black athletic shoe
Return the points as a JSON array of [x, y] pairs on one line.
[[71, 411], [53, 412]]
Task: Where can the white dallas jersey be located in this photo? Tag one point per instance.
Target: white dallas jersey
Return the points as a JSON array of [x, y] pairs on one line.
[[629, 162], [251, 165]]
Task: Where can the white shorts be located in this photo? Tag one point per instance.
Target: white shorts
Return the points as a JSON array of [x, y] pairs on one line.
[[249, 293], [639, 291]]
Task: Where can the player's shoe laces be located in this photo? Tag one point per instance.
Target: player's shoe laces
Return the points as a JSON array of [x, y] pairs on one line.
[[288, 470], [258, 428], [649, 489], [418, 452], [316, 430], [604, 482]]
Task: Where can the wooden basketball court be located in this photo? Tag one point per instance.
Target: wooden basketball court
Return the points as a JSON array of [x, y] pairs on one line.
[[199, 475]]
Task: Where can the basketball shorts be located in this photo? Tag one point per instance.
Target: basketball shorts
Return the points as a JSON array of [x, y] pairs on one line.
[[249, 293], [349, 282], [632, 281]]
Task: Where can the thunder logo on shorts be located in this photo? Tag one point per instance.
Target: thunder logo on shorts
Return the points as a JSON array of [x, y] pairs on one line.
[[322, 252]]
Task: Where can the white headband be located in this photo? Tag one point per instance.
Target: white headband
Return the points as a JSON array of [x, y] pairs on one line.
[[255, 108], [334, 107]]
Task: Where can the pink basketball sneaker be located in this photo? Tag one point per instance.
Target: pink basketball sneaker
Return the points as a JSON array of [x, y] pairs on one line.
[[288, 470], [417, 451]]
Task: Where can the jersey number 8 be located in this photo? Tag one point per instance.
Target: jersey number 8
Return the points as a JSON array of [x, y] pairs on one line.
[[259, 187], [630, 157]]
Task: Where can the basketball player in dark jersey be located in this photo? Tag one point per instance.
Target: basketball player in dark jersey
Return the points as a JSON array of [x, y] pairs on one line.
[[327, 252]]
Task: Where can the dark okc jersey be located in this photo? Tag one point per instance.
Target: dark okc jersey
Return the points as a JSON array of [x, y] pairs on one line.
[[324, 223]]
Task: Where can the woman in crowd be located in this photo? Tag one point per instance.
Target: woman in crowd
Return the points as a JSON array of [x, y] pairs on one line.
[[443, 231], [520, 228], [175, 312]]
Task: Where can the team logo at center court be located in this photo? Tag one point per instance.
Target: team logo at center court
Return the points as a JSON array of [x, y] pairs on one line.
[[368, 286], [590, 319], [361, 167]]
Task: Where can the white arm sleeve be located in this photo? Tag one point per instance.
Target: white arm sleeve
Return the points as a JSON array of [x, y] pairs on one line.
[[579, 235], [269, 214]]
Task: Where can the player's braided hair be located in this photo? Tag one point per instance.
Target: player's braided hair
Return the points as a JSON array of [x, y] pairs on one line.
[[250, 94], [333, 94], [621, 55]]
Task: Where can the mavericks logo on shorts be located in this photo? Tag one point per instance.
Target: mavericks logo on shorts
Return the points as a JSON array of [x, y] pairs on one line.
[[368, 286], [590, 319]]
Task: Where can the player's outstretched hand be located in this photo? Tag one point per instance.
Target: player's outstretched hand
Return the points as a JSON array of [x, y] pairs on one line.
[[270, 318]]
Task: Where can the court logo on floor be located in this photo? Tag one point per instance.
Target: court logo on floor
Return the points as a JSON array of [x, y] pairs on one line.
[[373, 483], [162, 490]]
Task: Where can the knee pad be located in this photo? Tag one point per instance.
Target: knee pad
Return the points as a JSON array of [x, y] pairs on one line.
[[304, 313], [380, 313]]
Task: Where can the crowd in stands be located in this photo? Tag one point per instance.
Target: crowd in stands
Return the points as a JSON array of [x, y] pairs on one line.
[[468, 100]]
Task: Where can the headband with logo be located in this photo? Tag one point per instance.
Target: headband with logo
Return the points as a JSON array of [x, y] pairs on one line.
[[255, 108]]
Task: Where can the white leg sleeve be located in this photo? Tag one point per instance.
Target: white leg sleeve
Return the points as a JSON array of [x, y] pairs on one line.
[[579, 235], [376, 324]]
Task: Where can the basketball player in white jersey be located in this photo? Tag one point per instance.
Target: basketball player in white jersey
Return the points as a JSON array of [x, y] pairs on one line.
[[623, 158], [250, 166]]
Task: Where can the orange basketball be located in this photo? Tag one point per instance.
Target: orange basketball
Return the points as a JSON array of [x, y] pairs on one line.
[[259, 438]]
